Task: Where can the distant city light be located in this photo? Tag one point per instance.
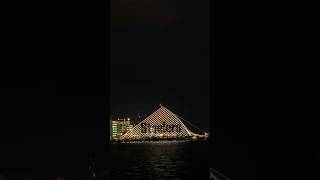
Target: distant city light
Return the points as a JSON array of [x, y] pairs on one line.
[[119, 126], [162, 124]]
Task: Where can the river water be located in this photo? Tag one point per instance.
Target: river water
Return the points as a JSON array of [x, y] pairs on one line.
[[160, 160]]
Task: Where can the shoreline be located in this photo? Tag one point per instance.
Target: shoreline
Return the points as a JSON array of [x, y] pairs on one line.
[[155, 140]]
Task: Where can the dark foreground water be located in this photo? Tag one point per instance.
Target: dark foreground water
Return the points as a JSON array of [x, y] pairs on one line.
[[143, 161], [160, 160]]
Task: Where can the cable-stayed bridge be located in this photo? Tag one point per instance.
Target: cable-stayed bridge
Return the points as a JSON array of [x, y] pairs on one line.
[[164, 124]]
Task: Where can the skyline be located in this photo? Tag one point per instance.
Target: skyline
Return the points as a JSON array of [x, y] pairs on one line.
[[161, 57]]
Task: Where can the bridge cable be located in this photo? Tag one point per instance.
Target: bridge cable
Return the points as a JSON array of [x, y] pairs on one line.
[[191, 124]]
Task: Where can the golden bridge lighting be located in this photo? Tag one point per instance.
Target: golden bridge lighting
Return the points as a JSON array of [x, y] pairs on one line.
[[163, 124]]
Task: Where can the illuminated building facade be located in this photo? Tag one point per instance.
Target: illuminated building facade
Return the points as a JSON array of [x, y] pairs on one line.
[[111, 129], [119, 127]]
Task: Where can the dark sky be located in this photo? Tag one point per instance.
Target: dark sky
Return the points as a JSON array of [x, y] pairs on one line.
[[54, 75], [160, 54], [54, 72]]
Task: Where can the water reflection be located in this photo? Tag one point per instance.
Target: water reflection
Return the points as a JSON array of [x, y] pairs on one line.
[[160, 160]]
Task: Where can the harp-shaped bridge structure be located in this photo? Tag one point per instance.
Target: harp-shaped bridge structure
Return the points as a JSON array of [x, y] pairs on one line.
[[163, 124]]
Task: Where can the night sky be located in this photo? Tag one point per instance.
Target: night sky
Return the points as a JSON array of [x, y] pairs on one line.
[[160, 54], [53, 88], [55, 80]]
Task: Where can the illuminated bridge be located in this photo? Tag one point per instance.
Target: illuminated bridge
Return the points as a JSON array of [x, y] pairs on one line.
[[164, 124]]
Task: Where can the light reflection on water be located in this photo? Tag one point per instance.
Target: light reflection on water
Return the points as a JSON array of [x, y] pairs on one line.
[[160, 160]]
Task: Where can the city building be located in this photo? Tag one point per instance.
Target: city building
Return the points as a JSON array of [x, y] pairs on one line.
[[111, 129], [119, 126]]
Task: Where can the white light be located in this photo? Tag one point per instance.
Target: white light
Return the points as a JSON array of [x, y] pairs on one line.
[[161, 115]]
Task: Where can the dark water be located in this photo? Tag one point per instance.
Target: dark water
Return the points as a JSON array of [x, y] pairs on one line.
[[160, 160], [148, 160], [50, 161]]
